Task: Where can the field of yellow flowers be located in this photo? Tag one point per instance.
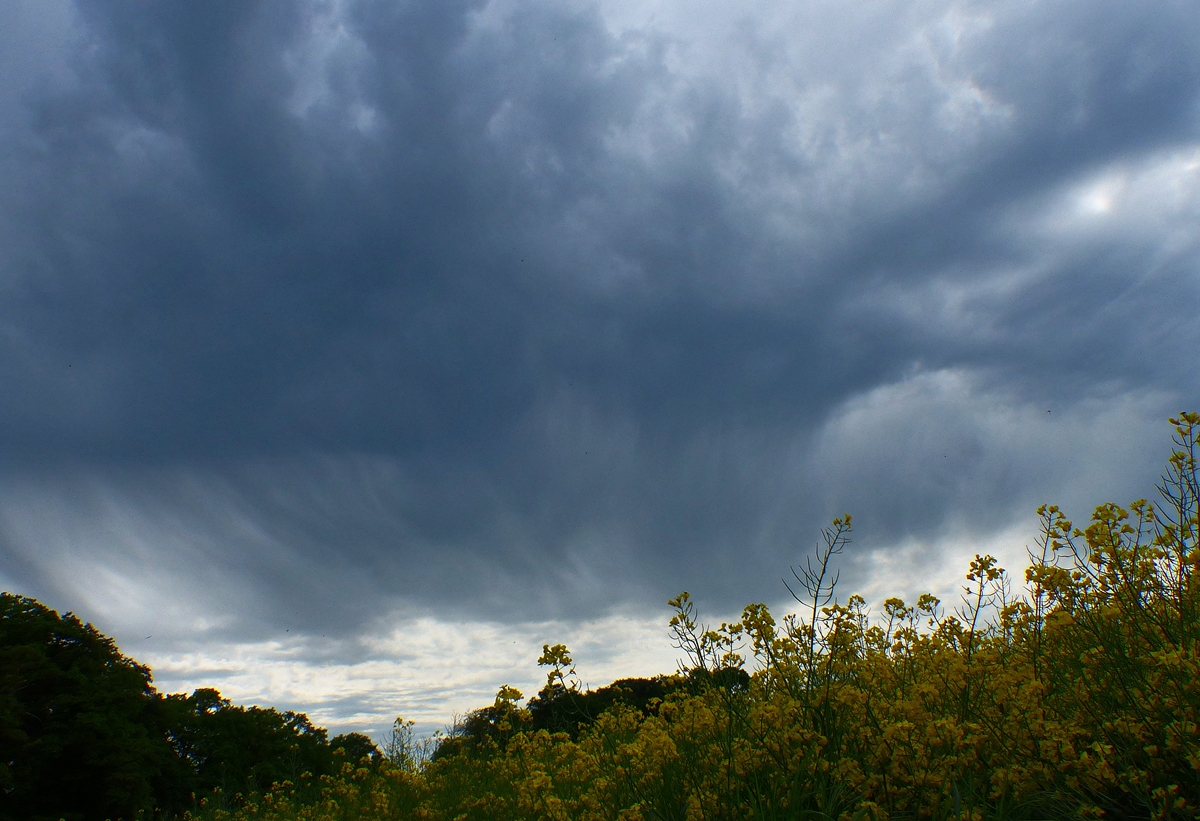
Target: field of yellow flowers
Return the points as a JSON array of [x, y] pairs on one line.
[[1074, 694]]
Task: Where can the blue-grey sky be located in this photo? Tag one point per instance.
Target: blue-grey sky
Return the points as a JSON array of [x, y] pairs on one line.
[[321, 317]]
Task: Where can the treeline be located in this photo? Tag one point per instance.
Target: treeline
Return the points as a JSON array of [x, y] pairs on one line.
[[84, 735], [1074, 695]]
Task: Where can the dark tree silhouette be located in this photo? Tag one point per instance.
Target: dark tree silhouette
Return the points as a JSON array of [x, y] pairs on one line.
[[78, 721]]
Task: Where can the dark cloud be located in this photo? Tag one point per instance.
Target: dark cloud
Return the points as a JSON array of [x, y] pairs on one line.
[[522, 309]]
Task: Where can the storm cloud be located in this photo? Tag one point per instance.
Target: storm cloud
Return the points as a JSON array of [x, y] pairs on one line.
[[509, 311]]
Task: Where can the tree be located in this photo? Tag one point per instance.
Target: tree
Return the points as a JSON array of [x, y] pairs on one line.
[[77, 720], [356, 747], [244, 749]]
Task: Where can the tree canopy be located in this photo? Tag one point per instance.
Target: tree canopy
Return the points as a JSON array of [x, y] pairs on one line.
[[79, 725], [84, 735]]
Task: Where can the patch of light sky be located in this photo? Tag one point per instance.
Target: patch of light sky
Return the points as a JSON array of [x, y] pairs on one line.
[[328, 49], [425, 669], [1138, 196], [993, 445]]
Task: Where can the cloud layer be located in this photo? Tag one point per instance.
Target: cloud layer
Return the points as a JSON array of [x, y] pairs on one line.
[[512, 311]]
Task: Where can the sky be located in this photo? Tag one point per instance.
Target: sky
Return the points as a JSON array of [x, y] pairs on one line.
[[353, 349]]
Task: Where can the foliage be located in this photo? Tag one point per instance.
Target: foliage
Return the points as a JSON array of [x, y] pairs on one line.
[[247, 749], [84, 735], [563, 706], [561, 710], [77, 720]]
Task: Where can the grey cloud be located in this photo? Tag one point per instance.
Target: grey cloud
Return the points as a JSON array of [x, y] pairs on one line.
[[507, 307]]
